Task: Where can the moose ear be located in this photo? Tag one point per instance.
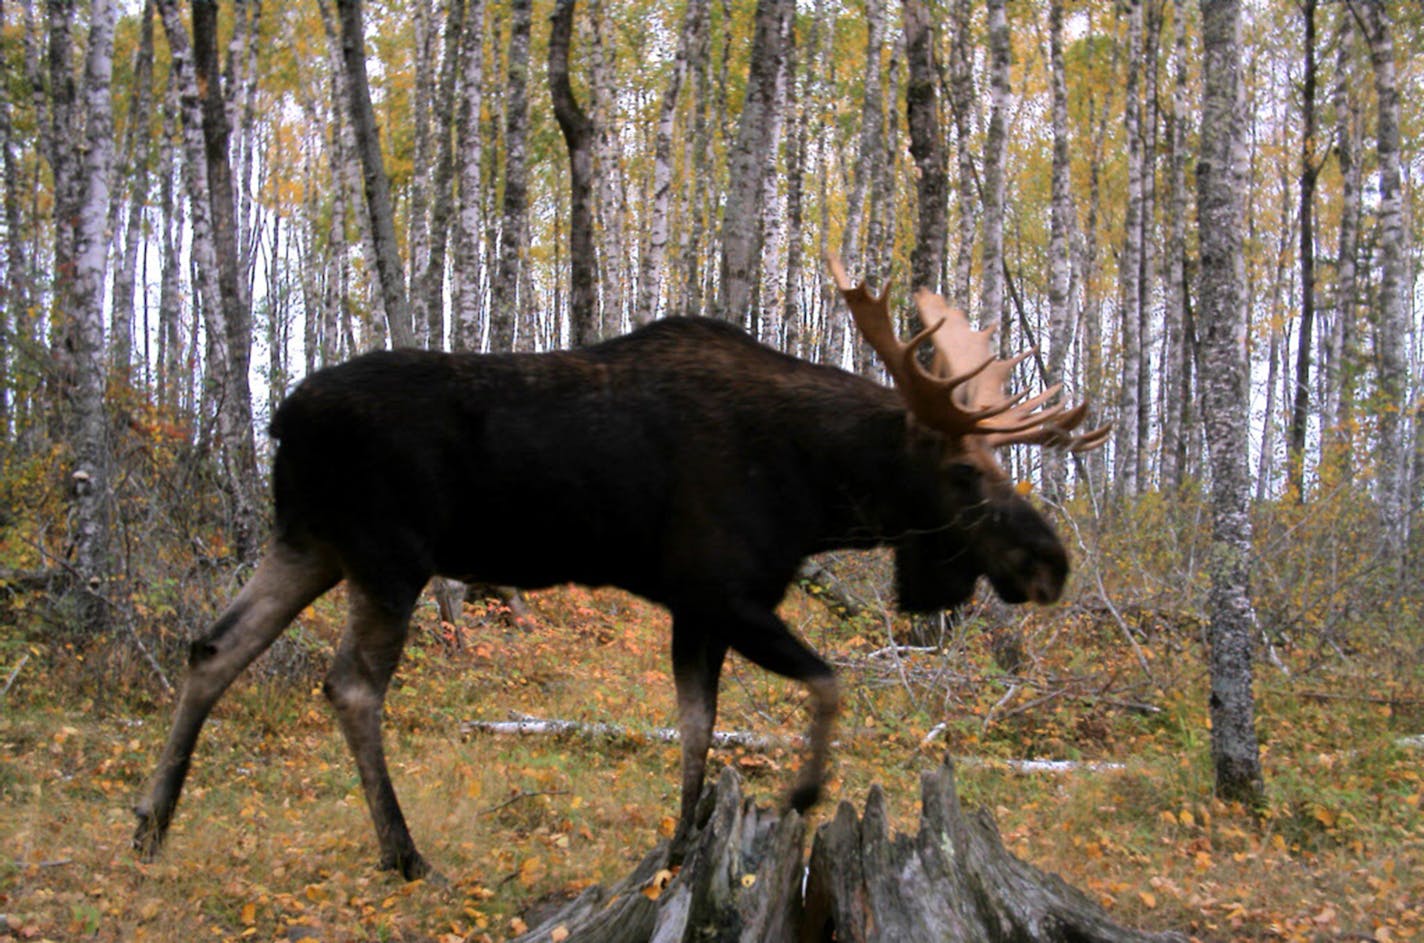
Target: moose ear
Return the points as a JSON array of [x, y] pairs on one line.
[[930, 576]]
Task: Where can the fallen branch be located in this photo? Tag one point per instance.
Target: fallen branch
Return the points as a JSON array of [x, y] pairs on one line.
[[822, 584], [524, 725]]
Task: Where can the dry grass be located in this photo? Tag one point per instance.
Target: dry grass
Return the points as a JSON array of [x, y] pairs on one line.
[[272, 833]]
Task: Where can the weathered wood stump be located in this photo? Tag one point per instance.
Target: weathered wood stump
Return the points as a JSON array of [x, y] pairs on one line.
[[745, 878]]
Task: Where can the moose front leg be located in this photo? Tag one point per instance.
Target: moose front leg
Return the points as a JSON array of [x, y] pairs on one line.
[[760, 635], [696, 665]]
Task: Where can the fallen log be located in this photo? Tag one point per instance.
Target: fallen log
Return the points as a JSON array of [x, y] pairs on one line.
[[745, 877]]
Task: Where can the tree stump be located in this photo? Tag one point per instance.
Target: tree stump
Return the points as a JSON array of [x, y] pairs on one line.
[[745, 877]]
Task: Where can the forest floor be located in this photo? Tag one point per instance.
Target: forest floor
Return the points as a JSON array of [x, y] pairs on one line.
[[272, 839]]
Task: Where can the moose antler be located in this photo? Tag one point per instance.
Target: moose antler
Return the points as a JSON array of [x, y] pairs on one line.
[[967, 392]]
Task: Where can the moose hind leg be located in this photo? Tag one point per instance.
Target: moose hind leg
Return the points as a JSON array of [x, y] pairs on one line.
[[285, 582], [356, 687], [764, 639]]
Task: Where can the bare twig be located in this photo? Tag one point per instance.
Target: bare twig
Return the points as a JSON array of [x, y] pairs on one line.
[[520, 797], [15, 673], [1103, 595]]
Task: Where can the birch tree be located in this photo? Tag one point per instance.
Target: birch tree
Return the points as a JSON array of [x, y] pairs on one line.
[[1309, 172], [995, 155], [84, 344], [1176, 355], [1060, 313], [650, 277], [747, 165], [1392, 329], [961, 100], [1231, 619], [1126, 433], [468, 258], [506, 303], [390, 273], [236, 321], [578, 131]]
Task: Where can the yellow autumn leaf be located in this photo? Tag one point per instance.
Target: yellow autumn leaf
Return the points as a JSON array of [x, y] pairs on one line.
[[559, 934], [249, 914], [1148, 899], [658, 884]]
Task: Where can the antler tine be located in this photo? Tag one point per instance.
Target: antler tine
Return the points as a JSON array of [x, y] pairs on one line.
[[967, 394], [1091, 440]]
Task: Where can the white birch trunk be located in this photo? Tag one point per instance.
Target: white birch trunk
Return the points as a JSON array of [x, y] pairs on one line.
[[467, 315], [1220, 195], [90, 475]]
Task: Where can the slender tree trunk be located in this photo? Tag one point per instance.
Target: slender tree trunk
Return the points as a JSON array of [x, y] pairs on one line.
[[870, 145], [348, 197], [468, 258], [389, 271], [1060, 297], [750, 156], [578, 133], [138, 145], [428, 300], [1393, 324], [1147, 259], [793, 311], [85, 334], [1125, 433], [1265, 470], [13, 295], [961, 99], [769, 304], [506, 303], [422, 177], [650, 278], [1220, 188], [927, 147], [1309, 170], [170, 342], [615, 268], [995, 155], [215, 404], [239, 449], [1340, 366], [1176, 358]]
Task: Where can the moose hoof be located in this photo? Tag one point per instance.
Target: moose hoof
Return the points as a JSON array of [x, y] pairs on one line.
[[803, 797], [147, 837], [411, 865]]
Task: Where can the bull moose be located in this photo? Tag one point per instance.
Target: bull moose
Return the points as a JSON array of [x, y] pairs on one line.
[[683, 462]]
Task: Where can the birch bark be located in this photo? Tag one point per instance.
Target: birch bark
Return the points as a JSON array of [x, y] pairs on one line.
[[750, 156], [1231, 619], [1392, 331], [506, 304], [389, 272], [991, 266], [85, 342]]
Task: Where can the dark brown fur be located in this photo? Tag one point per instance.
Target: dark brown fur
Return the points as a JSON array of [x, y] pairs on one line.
[[683, 462]]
